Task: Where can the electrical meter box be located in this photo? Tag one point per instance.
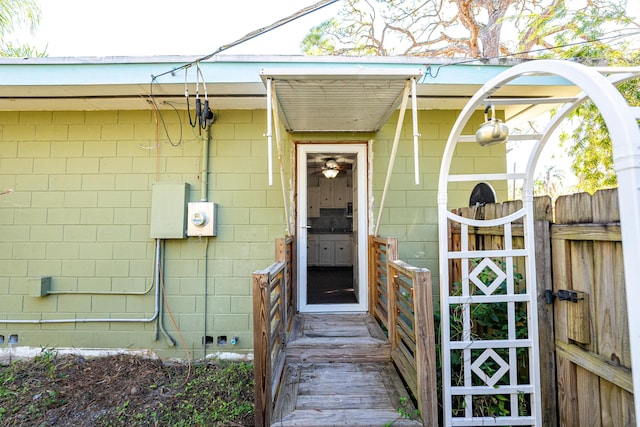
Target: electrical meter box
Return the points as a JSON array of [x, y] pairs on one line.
[[201, 219], [169, 209]]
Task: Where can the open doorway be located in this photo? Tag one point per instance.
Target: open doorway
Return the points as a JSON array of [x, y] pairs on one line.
[[332, 237]]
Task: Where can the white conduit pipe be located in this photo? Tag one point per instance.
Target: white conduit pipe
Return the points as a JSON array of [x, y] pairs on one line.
[[414, 115], [103, 320], [394, 150], [280, 161], [269, 130]]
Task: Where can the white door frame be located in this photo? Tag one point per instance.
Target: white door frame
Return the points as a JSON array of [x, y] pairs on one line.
[[360, 150]]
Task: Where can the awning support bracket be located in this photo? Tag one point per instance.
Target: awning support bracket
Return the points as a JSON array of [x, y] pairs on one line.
[[416, 134], [276, 119], [394, 150], [269, 132]]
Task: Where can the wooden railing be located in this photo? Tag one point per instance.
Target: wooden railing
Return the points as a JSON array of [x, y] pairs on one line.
[[380, 250], [402, 301], [273, 311]]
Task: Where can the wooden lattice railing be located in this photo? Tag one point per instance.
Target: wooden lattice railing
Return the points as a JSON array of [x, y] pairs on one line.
[[273, 311], [401, 300], [380, 250]]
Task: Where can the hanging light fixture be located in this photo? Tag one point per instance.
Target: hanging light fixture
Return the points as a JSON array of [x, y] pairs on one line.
[[492, 131], [330, 173], [331, 169]]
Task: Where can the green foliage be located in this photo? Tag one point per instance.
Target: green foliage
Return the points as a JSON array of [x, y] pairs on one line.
[[589, 143], [14, 15], [317, 41], [351, 33], [462, 28], [51, 387], [405, 411], [216, 394], [556, 28], [46, 359], [30, 397]]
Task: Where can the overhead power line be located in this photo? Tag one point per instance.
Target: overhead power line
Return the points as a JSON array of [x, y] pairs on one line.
[[299, 14]]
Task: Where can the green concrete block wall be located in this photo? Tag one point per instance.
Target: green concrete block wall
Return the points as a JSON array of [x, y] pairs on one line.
[[81, 207], [411, 212]]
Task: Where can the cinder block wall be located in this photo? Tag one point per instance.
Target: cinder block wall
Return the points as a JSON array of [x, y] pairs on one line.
[[80, 213], [411, 211]]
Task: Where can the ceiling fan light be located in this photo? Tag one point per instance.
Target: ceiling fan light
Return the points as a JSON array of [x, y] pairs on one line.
[[330, 173], [331, 164]]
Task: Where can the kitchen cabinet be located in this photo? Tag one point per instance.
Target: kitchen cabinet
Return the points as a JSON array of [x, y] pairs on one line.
[[335, 193], [326, 255], [341, 193], [313, 202], [342, 252], [326, 193], [333, 250], [312, 250]]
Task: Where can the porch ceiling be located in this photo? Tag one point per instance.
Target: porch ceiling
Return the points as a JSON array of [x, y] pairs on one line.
[[355, 101]]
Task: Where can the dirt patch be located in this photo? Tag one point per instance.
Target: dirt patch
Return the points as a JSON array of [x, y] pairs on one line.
[[124, 390]]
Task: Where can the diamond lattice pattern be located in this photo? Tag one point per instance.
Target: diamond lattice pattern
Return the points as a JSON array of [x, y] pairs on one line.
[[491, 287], [476, 367]]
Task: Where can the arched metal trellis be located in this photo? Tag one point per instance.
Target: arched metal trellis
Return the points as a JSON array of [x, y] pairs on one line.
[[489, 367]]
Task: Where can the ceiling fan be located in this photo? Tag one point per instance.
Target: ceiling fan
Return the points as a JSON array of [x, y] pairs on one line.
[[331, 168]]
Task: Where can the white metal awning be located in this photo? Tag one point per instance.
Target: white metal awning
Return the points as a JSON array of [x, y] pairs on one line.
[[338, 100]]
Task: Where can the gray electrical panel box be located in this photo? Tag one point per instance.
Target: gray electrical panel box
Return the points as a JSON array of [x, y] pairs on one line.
[[169, 210]]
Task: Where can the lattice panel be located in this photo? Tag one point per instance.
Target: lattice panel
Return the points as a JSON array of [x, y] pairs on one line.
[[490, 362]]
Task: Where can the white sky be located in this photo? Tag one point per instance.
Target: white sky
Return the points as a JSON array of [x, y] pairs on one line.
[[162, 27]]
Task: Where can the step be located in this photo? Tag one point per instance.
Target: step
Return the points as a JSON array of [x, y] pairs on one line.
[[322, 338], [342, 394]]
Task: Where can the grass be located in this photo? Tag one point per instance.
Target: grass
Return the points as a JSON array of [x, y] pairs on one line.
[[124, 391]]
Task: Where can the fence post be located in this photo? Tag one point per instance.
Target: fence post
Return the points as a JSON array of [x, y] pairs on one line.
[[425, 348], [546, 337], [281, 256], [293, 282], [372, 274], [391, 255], [261, 348], [391, 306]]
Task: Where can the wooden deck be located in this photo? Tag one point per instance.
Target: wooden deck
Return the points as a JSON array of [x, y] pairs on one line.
[[338, 373]]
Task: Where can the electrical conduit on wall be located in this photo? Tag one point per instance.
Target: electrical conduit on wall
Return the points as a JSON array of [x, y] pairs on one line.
[[103, 320]]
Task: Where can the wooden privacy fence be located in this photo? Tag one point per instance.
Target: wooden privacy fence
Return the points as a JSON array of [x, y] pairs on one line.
[[402, 301], [591, 330], [585, 356], [273, 311]]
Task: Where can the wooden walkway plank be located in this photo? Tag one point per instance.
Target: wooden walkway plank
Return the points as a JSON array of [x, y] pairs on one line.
[[345, 417], [337, 337], [345, 398], [339, 373]]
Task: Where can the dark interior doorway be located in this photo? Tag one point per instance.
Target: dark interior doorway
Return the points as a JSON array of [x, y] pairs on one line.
[[330, 285]]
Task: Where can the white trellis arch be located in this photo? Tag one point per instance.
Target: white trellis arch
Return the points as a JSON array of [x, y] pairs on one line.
[[597, 84]]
